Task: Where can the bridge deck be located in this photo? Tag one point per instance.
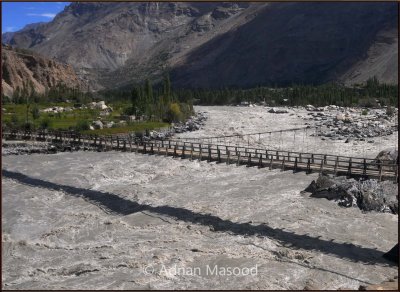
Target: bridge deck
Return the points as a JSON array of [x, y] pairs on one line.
[[262, 158]]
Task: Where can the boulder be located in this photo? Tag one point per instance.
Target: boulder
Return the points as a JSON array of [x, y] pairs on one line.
[[388, 154], [368, 195], [339, 117], [278, 111], [310, 108], [98, 125]]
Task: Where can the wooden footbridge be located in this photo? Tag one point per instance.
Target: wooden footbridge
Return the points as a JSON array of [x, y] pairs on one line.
[[239, 155]]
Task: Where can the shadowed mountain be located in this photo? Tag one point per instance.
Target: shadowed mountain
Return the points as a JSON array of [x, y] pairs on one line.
[[297, 43]]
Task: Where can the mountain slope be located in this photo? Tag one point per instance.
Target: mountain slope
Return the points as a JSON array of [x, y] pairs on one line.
[[291, 43], [7, 36], [20, 68], [138, 39], [381, 61], [220, 44]]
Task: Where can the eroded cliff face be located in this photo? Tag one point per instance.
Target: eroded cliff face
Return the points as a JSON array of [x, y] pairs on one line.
[[23, 68], [220, 44]]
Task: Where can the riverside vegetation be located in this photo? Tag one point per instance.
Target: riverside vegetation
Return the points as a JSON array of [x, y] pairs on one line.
[[147, 106]]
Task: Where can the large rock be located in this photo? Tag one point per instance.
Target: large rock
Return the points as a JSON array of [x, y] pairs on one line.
[[310, 108], [98, 125], [278, 111], [368, 195], [388, 154]]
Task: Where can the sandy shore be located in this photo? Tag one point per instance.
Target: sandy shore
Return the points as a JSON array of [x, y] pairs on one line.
[[116, 220]]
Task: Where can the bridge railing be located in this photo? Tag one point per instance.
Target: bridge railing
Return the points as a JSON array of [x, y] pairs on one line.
[[219, 152]]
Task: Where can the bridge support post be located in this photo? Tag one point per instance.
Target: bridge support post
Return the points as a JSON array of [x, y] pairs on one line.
[[249, 160], [219, 156], [336, 165], [228, 158], [349, 168], [260, 163], [308, 166], [295, 165], [321, 167], [365, 169], [209, 153], [270, 163], [200, 152], [238, 159], [283, 164]]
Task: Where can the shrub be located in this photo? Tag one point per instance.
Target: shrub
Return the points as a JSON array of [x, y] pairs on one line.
[[14, 121], [28, 126], [174, 113], [46, 123], [35, 112], [367, 102], [82, 125], [364, 112], [389, 111]]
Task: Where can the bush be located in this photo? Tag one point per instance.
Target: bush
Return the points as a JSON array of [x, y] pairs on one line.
[[364, 112], [35, 112], [14, 121], [174, 113], [129, 111], [28, 126], [367, 102], [46, 123], [389, 111], [82, 125]]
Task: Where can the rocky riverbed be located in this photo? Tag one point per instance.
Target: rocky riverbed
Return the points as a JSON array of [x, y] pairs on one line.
[[339, 123], [36, 147], [240, 121]]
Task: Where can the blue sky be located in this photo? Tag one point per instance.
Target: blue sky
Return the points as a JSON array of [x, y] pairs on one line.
[[15, 15]]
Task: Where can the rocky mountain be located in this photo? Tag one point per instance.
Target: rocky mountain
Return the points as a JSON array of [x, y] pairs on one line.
[[214, 44], [21, 68], [7, 36]]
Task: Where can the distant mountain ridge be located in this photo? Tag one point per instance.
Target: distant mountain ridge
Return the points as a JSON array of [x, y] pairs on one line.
[[7, 36], [215, 44]]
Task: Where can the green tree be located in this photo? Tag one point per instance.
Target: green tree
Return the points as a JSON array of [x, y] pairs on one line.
[[174, 113], [35, 112]]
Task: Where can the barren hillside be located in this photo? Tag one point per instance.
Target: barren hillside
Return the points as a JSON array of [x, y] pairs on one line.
[[221, 44], [22, 68]]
